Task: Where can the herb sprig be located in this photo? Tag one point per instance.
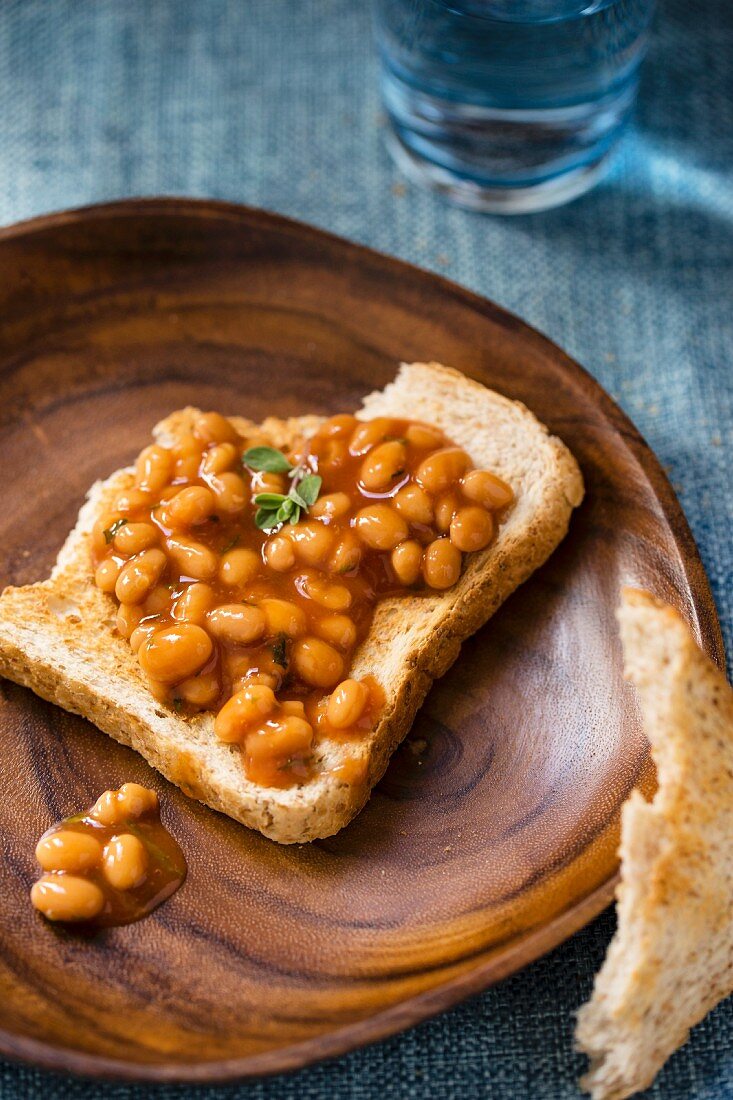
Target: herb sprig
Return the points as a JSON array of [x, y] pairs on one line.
[[274, 509], [110, 532], [280, 650]]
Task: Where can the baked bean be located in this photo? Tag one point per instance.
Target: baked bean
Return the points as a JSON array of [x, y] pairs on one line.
[[383, 465], [331, 506], [67, 897], [132, 538], [237, 623], [338, 630], [257, 676], [134, 800], [424, 437], [187, 445], [237, 567], [175, 652], [252, 441], [293, 706], [279, 554], [266, 482], [472, 528], [194, 603], [266, 664], [131, 501], [128, 618], [334, 597], [311, 541], [139, 576], [191, 558], [440, 470], [486, 488], [158, 600], [190, 507], [186, 468], [406, 561], [317, 662], [332, 454], [338, 426], [446, 507], [212, 427], [230, 491], [159, 691], [347, 704], [141, 634], [107, 809], [247, 708], [380, 527], [238, 662], [283, 617], [441, 564], [346, 556], [106, 574], [286, 737], [200, 691], [100, 545], [125, 861], [187, 457], [369, 433], [414, 505], [218, 459], [68, 850], [153, 468]]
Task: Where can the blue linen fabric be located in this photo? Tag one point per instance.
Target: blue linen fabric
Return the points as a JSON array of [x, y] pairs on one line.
[[275, 103]]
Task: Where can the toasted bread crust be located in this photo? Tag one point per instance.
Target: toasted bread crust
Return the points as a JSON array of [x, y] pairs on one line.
[[671, 959], [75, 658]]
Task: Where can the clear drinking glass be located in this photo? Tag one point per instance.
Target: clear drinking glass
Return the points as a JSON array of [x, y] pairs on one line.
[[509, 105]]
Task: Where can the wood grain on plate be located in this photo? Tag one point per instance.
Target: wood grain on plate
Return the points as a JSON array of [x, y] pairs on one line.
[[492, 836]]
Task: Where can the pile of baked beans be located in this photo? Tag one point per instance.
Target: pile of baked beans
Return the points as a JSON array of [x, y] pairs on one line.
[[111, 865], [261, 626]]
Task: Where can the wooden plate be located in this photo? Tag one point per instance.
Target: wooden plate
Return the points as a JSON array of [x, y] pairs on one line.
[[492, 836]]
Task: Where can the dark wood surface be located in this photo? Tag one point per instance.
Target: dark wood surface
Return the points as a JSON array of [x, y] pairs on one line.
[[492, 836]]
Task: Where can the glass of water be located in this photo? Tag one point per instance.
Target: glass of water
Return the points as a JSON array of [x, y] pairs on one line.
[[509, 106]]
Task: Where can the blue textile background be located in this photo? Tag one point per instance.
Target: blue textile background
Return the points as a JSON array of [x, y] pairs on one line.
[[274, 103]]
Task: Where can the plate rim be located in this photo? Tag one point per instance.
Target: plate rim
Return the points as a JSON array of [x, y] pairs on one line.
[[413, 1010]]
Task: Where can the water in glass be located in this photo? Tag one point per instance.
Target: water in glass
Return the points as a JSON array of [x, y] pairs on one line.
[[509, 105]]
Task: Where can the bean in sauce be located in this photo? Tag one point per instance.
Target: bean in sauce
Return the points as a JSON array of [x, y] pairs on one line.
[[110, 865]]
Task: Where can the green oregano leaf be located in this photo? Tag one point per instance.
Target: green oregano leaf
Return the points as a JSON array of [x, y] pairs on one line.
[[309, 488], [266, 459], [265, 519], [274, 509], [288, 511], [270, 500]]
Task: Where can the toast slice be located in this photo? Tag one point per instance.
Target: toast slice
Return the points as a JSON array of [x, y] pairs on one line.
[[57, 637], [671, 959]]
